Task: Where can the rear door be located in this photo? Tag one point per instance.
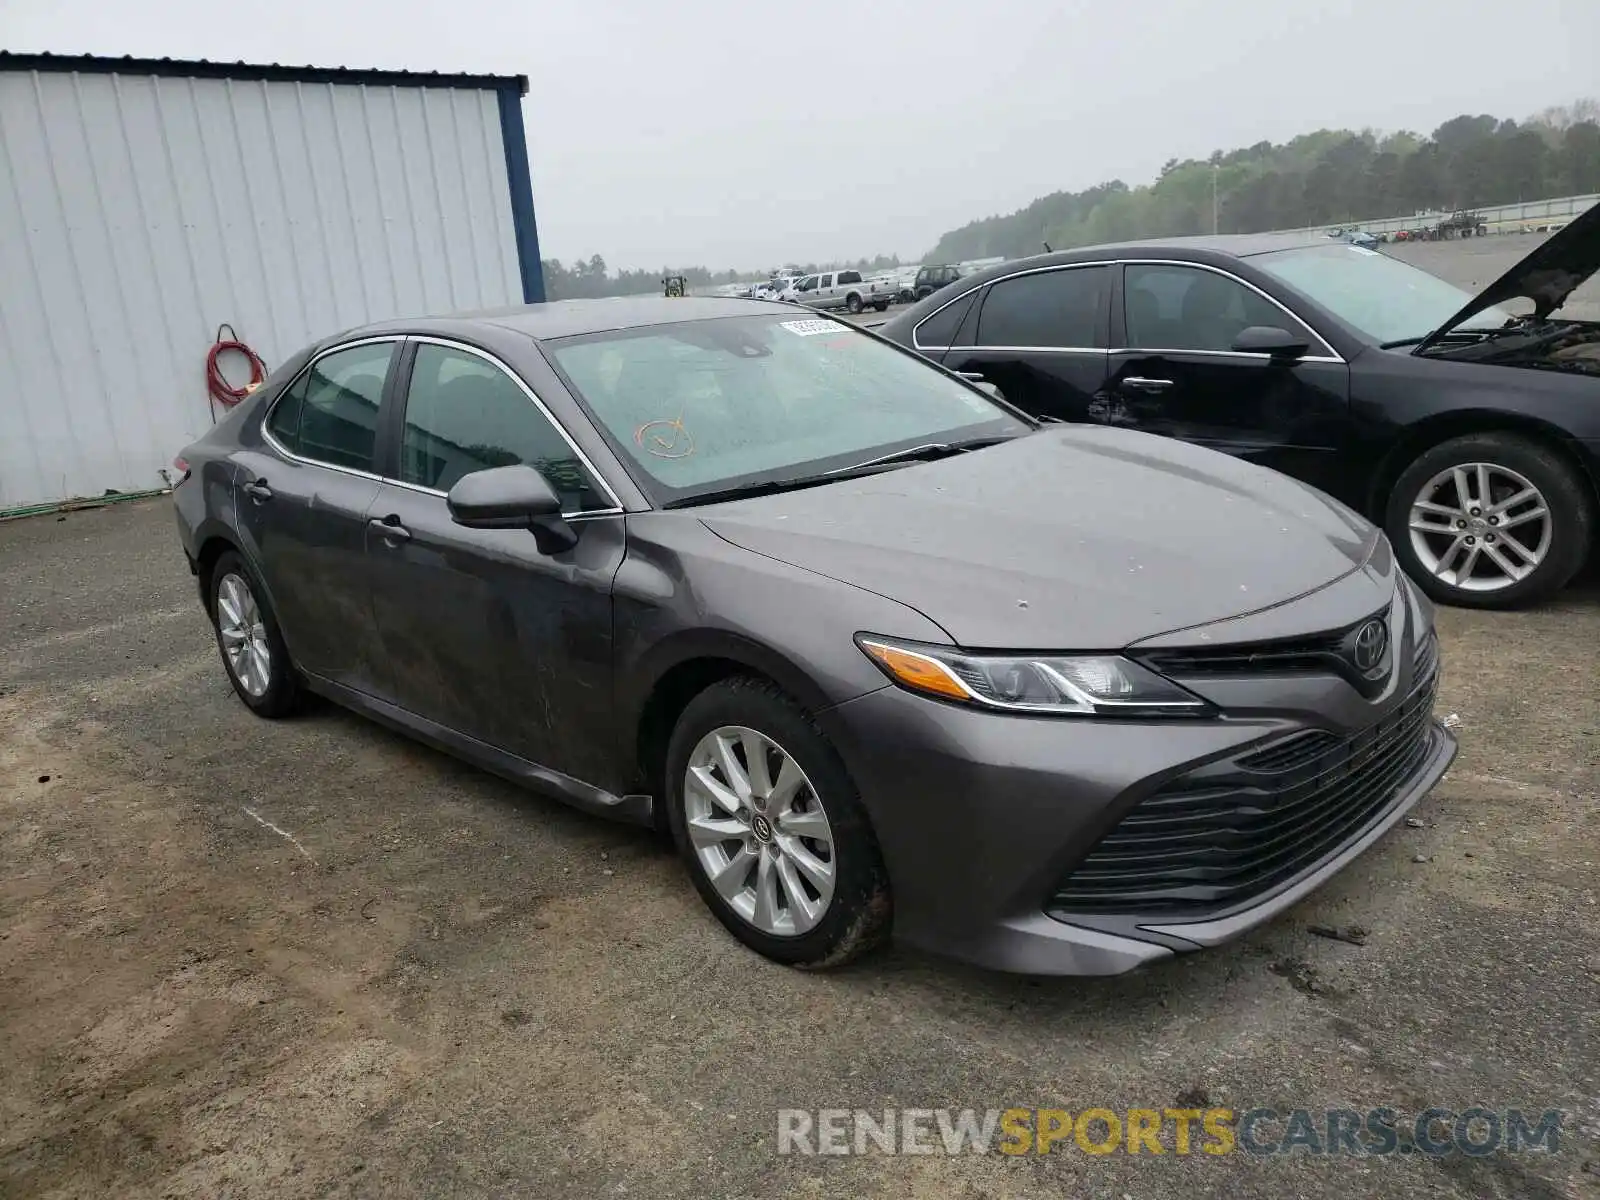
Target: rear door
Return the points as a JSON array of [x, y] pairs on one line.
[[486, 635], [302, 501], [1175, 372], [1040, 337]]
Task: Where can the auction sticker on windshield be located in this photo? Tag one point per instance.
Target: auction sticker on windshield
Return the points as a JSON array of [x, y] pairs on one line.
[[812, 328]]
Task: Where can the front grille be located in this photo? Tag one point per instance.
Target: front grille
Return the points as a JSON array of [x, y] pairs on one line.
[[1299, 655], [1233, 830]]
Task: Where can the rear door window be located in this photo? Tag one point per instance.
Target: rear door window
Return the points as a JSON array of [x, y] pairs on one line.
[[1047, 309], [330, 415]]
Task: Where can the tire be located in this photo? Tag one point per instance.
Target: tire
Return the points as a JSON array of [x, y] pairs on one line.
[[1511, 463], [882, 306], [852, 303], [270, 689], [856, 914]]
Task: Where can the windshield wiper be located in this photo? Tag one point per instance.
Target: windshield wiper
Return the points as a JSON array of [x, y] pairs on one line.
[[926, 452], [888, 462], [744, 491]]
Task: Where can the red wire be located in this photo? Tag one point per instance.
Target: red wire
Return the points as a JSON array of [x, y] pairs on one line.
[[222, 392]]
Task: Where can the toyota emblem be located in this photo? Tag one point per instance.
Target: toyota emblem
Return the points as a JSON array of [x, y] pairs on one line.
[[1371, 640]]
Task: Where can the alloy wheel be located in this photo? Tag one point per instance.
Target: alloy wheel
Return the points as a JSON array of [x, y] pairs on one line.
[[759, 831], [244, 635], [1480, 527]]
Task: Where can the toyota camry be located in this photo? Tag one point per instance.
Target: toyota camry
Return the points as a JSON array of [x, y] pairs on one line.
[[880, 652]]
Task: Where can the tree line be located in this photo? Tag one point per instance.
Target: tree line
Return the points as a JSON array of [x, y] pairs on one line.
[[1330, 177], [587, 280]]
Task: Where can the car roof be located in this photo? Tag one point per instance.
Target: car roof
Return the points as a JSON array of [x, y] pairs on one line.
[[1196, 249], [566, 318]]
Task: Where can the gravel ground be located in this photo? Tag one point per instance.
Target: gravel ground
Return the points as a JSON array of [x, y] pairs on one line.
[[1475, 263], [308, 958]]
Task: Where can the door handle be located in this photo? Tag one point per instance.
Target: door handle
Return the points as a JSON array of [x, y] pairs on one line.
[[1140, 383], [390, 529], [258, 491], [972, 376]]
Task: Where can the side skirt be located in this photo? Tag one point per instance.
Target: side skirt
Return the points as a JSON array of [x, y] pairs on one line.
[[634, 809]]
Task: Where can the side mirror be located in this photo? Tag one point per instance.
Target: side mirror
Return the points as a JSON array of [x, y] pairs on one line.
[[1269, 339], [512, 498]]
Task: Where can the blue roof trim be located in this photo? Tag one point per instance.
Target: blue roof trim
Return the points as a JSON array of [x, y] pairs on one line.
[[522, 222], [272, 72]]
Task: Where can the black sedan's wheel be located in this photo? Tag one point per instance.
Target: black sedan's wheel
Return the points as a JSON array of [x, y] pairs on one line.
[[771, 828], [1490, 520], [248, 637], [882, 306]]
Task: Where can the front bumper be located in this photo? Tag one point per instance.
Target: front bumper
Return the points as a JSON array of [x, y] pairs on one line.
[[982, 815]]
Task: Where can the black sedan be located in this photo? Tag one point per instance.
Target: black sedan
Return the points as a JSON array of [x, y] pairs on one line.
[[1377, 382]]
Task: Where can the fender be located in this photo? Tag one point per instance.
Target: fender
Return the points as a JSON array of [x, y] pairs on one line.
[[635, 689]]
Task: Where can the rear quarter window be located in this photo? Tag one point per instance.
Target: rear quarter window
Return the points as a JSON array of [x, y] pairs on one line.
[[938, 330]]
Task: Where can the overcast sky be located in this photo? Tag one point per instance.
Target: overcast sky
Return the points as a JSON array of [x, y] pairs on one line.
[[751, 133]]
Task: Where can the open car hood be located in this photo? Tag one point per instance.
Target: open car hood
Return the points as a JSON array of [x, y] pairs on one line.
[[1547, 276]]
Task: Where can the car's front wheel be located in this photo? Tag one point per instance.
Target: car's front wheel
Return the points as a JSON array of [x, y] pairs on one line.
[[1490, 520], [249, 639], [852, 303], [770, 825]]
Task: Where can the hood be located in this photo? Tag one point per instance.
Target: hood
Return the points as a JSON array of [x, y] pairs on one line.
[[1548, 275], [1065, 539]]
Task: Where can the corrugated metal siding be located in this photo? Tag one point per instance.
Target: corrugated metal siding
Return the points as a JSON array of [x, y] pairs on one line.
[[138, 213]]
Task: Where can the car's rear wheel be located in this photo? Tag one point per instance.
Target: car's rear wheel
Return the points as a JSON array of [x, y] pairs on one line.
[[1490, 520], [882, 306], [249, 640], [852, 303], [771, 827]]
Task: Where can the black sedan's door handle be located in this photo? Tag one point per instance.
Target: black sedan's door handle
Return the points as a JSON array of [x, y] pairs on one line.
[[974, 376], [258, 491], [1140, 383], [390, 528]]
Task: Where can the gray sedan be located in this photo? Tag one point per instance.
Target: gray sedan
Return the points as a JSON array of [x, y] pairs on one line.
[[880, 652]]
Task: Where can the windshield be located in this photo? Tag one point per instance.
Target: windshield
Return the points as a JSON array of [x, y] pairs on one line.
[[701, 406], [1381, 297]]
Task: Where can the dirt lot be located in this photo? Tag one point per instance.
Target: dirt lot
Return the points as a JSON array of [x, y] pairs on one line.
[[307, 958], [1475, 263]]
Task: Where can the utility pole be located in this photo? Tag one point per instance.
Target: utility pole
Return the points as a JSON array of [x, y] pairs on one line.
[[1214, 169]]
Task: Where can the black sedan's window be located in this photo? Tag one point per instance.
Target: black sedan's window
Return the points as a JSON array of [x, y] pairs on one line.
[[465, 414], [1047, 309], [1172, 307], [938, 330]]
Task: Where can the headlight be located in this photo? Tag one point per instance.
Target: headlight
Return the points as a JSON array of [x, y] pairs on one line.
[[1089, 685]]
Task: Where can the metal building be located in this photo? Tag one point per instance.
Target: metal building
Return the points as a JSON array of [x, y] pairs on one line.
[[144, 203]]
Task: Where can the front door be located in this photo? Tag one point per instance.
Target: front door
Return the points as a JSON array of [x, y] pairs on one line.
[[1177, 375], [485, 635], [302, 500], [1040, 340]]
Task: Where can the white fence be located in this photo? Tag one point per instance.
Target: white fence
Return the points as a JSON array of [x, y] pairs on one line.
[[1500, 218]]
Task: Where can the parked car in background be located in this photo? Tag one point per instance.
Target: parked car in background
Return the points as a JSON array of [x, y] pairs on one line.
[[1356, 237], [873, 647], [1469, 430], [932, 279], [839, 289]]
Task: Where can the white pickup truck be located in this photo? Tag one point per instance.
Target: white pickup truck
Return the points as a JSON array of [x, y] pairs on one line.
[[839, 289]]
